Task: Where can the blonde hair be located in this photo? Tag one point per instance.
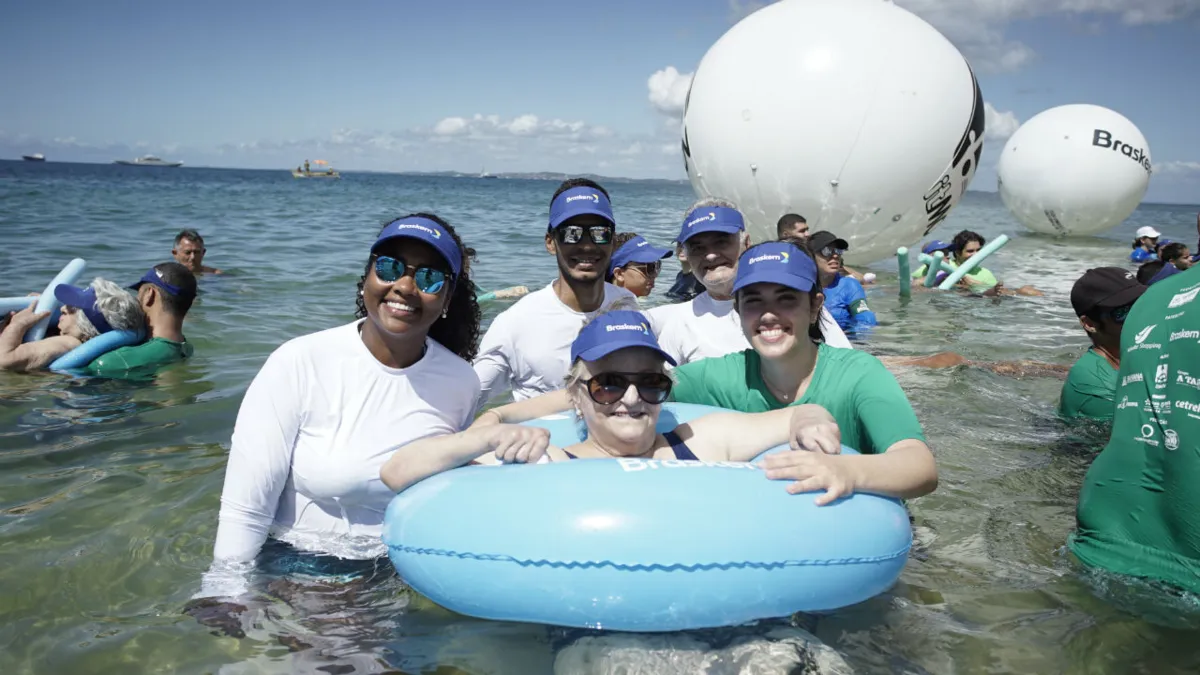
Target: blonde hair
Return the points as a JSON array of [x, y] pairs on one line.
[[116, 305]]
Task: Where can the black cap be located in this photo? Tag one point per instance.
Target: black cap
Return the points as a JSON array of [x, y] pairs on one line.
[[819, 240], [1105, 288]]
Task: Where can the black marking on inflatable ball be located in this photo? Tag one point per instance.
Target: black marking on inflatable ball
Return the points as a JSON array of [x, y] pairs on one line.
[[1054, 221], [941, 196], [687, 151]]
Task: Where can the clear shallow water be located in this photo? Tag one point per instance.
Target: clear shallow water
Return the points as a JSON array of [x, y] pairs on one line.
[[109, 490]]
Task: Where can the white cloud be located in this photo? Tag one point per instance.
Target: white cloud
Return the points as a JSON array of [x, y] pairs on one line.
[[668, 90], [1180, 168], [451, 126], [999, 125], [633, 150]]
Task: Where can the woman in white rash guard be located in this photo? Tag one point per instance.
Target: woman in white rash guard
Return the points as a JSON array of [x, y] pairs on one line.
[[302, 490]]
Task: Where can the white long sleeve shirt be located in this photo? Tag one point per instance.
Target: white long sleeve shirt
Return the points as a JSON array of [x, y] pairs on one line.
[[314, 429]]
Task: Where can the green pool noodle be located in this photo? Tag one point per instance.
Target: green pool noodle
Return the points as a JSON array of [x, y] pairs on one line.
[[902, 261], [975, 260], [935, 266]]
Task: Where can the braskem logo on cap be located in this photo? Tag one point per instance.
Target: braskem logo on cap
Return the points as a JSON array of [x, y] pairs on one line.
[[781, 257], [643, 328], [595, 198], [412, 226], [711, 216]]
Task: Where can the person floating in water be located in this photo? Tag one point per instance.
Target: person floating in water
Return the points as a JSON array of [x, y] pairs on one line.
[[635, 264], [165, 293], [189, 251]]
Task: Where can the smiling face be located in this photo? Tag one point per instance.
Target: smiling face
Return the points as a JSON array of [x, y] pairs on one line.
[[776, 318], [627, 426], [713, 257], [398, 308], [584, 261]]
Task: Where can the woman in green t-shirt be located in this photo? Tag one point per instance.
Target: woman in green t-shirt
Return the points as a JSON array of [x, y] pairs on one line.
[[779, 304]]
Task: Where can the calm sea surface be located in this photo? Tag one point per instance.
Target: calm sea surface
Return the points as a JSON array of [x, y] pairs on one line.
[[109, 490]]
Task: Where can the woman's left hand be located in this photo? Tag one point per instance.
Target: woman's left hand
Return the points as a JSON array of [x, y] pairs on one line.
[[812, 471], [813, 428]]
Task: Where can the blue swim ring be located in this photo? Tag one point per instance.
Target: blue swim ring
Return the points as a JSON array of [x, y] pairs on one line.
[[639, 545]]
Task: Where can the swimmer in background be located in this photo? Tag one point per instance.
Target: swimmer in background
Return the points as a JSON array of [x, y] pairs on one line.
[[1174, 257], [189, 251], [86, 313], [487, 296], [165, 294], [981, 280], [794, 227], [932, 247], [844, 296], [1145, 241], [635, 264], [1147, 270], [686, 286]]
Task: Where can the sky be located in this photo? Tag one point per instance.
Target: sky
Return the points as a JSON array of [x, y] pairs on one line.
[[526, 85]]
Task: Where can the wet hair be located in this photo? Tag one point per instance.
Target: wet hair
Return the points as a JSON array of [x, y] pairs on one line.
[[814, 329], [619, 240], [1172, 251], [578, 182], [965, 237], [459, 330], [118, 307], [189, 234], [1147, 271], [182, 278], [786, 222]]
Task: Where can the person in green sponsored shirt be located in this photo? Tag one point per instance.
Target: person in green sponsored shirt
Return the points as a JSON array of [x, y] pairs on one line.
[[1139, 508], [778, 300], [1101, 298], [165, 294]]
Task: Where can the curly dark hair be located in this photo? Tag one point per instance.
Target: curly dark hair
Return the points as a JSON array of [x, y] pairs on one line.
[[459, 330], [965, 237]]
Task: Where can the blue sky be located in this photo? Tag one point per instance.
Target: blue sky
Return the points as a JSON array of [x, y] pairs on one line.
[[522, 86]]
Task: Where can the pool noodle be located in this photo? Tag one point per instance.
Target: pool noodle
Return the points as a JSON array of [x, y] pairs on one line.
[[934, 267], [486, 297], [974, 262], [926, 259], [15, 304], [905, 282], [48, 303]]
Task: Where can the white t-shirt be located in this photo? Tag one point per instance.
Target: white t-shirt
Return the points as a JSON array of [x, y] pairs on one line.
[[706, 328], [528, 345], [314, 429]]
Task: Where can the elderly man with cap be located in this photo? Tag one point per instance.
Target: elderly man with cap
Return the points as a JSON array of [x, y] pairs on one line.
[[713, 235], [165, 293], [1102, 299], [87, 313], [636, 264], [845, 298], [528, 346], [1139, 509]]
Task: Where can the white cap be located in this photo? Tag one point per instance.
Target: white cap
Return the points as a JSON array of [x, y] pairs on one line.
[[1148, 231]]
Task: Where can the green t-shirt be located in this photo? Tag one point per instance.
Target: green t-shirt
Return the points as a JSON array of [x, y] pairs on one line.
[[1139, 508], [1088, 391], [149, 355], [871, 410], [978, 279]]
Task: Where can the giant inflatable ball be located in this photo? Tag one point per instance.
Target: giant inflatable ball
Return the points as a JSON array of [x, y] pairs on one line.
[[855, 114], [1074, 170]]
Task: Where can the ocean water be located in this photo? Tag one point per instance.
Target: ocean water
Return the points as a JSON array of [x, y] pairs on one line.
[[109, 490]]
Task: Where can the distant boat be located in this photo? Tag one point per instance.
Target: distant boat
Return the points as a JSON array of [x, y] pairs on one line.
[[305, 172], [484, 174], [39, 157], [147, 160]]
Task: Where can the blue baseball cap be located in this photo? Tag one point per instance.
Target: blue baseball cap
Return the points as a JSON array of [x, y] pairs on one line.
[[83, 299], [153, 276], [613, 331], [426, 230], [936, 245], [579, 201], [637, 250], [776, 262], [711, 219]]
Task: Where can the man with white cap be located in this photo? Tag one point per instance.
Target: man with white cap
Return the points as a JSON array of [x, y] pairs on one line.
[[528, 346]]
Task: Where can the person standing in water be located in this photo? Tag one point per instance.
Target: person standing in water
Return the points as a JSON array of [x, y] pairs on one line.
[[845, 298], [635, 264], [1139, 509], [528, 346], [1102, 299], [165, 293], [1145, 244], [713, 234], [189, 251], [794, 227]]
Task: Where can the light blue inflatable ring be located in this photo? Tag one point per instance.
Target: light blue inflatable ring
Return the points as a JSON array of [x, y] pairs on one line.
[[93, 349], [639, 545]]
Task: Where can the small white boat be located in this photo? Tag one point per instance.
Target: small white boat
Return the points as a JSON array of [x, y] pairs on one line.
[[36, 157], [147, 160]]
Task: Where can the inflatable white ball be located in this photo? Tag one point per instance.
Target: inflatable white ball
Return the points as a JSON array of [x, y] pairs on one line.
[[1074, 170], [855, 114]]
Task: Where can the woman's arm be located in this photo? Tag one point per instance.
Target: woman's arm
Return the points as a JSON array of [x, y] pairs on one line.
[[511, 443], [740, 437], [523, 411]]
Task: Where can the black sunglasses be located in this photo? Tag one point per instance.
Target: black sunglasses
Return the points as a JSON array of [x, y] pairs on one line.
[[573, 234], [830, 251], [427, 279], [1119, 314], [647, 269], [608, 388]]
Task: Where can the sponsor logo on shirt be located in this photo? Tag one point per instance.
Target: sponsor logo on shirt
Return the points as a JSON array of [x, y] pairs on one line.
[[1139, 340], [1193, 409], [1126, 403], [1171, 439], [1181, 299], [1157, 407], [1176, 315], [1160, 376], [1147, 435], [1183, 377], [1129, 379], [1184, 335]]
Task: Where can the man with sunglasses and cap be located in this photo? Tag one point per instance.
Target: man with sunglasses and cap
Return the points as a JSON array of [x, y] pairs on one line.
[[1101, 298], [844, 295], [635, 264], [165, 293], [528, 346]]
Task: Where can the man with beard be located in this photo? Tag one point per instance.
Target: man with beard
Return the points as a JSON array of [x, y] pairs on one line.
[[528, 346]]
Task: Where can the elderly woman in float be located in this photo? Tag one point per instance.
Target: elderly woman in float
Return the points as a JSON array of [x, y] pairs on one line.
[[86, 313]]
